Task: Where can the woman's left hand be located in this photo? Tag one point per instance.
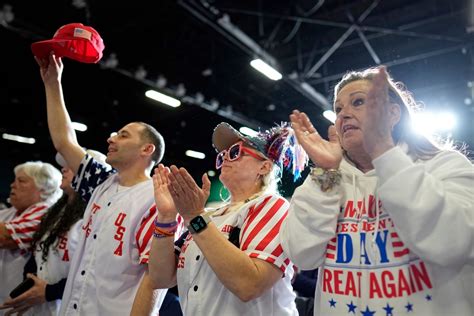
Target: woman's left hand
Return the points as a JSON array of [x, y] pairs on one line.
[[34, 296], [188, 197], [382, 116]]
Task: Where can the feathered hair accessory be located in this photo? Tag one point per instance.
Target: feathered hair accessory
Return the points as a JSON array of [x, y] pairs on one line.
[[282, 147]]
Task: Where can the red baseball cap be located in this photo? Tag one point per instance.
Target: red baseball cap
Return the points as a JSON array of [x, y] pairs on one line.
[[74, 40]]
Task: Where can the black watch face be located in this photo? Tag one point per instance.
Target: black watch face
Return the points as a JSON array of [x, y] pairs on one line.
[[198, 223]]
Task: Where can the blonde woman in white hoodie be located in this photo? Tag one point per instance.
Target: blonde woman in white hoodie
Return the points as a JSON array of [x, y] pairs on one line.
[[386, 215]]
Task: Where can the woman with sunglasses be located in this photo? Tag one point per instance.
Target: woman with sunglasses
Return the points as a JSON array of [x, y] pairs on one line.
[[230, 261]]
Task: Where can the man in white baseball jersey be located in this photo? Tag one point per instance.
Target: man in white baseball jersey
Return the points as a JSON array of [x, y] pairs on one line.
[[109, 266], [34, 190]]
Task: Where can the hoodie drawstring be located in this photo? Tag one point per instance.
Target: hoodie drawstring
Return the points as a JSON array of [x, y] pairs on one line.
[[377, 220]]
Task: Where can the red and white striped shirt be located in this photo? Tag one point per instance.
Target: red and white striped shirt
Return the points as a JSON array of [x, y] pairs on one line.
[[25, 224], [21, 227], [202, 293]]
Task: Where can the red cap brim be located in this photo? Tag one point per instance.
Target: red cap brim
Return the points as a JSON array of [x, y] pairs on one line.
[[80, 50], [43, 48]]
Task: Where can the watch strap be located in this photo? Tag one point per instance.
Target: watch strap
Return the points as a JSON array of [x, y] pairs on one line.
[[206, 219]]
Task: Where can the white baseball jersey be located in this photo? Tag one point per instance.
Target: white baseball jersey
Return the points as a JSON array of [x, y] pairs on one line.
[[113, 249], [202, 293], [56, 266], [21, 227]]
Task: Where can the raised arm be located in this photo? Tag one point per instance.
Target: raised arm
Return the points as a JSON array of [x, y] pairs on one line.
[[163, 262], [59, 123]]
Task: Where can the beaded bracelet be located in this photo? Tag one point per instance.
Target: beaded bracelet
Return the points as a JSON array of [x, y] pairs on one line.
[[326, 178]]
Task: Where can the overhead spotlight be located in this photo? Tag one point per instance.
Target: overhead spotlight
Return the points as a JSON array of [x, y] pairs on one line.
[[112, 61], [271, 107], [161, 82], [17, 138], [6, 14], [79, 126], [266, 69], [248, 131], [79, 4], [206, 72], [163, 98], [195, 154], [211, 173], [140, 73], [428, 123], [330, 116], [180, 90]]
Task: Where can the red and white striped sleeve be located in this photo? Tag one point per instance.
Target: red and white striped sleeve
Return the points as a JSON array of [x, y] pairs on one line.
[[259, 234], [145, 234], [23, 227]]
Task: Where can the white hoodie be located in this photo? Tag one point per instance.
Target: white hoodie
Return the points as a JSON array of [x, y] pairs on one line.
[[410, 253]]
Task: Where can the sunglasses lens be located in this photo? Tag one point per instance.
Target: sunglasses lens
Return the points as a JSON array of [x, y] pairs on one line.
[[234, 152], [220, 159]]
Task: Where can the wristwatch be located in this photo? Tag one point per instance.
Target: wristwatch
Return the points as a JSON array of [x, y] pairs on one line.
[[199, 223]]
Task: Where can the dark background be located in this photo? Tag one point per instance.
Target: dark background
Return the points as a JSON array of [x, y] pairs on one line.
[[427, 44]]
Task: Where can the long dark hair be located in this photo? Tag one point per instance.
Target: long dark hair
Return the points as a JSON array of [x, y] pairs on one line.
[[57, 222]]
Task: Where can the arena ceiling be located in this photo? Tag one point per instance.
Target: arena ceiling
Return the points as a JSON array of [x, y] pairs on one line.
[[200, 51]]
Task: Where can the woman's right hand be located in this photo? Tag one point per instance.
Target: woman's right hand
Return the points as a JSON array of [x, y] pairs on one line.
[[163, 200], [325, 154]]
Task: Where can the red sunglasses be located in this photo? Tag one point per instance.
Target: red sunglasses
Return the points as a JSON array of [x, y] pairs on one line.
[[235, 152]]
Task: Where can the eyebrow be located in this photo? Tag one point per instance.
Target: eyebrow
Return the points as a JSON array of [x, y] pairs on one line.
[[123, 131], [351, 94]]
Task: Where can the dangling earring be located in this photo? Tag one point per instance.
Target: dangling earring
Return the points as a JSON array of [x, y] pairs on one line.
[[227, 198]]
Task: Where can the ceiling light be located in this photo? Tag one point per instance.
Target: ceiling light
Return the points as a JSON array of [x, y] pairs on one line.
[[330, 116], [195, 154], [429, 123], [248, 131], [79, 126], [20, 139], [211, 173], [160, 97], [266, 69]]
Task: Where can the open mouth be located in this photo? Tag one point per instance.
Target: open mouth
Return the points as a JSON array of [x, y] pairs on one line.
[[346, 128]]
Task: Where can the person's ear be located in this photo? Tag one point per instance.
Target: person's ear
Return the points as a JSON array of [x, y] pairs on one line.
[[149, 149], [266, 167]]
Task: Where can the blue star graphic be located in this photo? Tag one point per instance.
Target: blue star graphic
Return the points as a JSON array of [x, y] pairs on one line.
[[409, 307], [332, 302], [367, 312], [388, 310], [428, 297], [352, 307]]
